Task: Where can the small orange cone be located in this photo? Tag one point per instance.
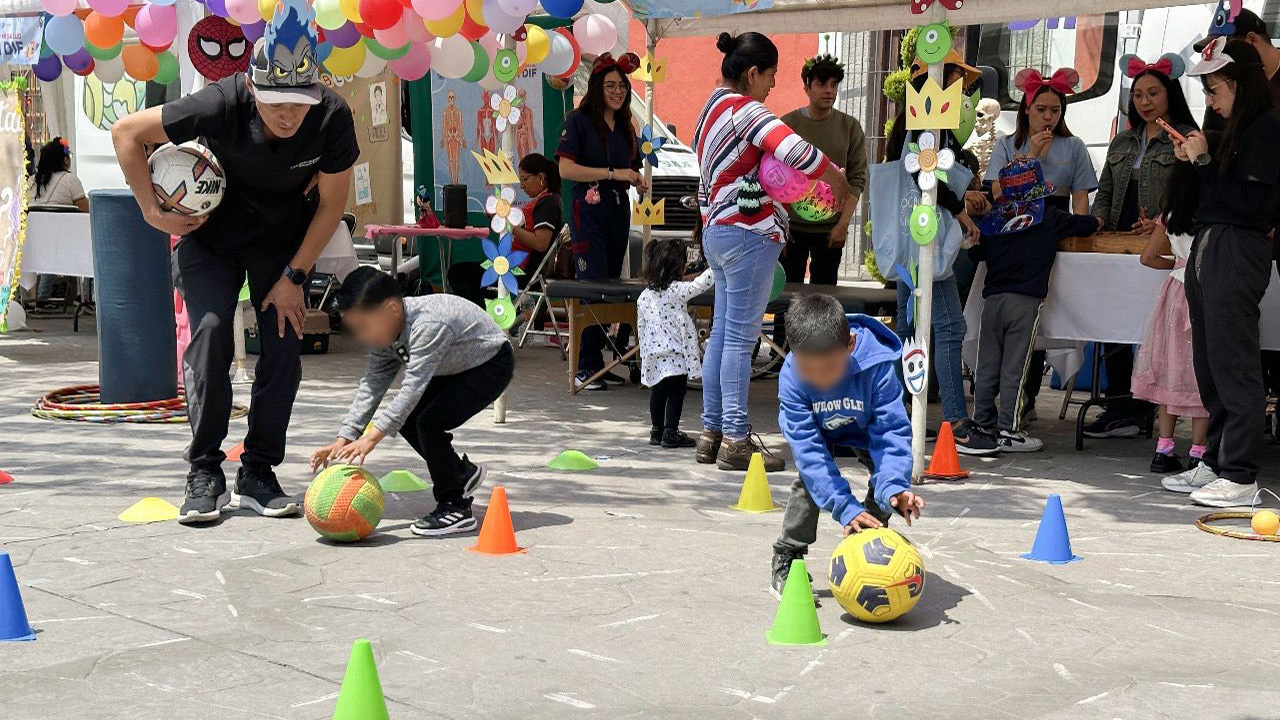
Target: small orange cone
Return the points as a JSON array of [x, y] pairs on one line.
[[497, 536], [234, 453], [945, 464]]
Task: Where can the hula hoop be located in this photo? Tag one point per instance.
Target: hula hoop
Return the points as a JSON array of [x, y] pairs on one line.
[[80, 403], [1203, 521]]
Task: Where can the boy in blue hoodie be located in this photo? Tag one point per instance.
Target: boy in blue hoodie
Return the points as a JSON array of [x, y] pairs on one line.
[[839, 386]]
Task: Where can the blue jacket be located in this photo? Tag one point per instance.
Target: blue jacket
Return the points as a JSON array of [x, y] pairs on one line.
[[864, 411]]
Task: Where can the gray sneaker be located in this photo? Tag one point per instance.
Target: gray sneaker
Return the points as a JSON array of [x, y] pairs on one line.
[[205, 497], [1188, 481]]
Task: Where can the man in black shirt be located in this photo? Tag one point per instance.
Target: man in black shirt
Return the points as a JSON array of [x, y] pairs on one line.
[[286, 145]]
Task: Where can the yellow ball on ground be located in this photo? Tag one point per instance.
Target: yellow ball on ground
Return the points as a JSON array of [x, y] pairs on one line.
[[1265, 522], [876, 575]]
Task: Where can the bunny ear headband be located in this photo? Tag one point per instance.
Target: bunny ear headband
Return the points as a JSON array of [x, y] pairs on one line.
[[1170, 65], [1030, 81]]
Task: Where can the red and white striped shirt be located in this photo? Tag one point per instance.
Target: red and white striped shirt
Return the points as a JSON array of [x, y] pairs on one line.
[[733, 134]]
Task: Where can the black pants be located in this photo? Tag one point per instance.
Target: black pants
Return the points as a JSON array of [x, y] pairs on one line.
[[1227, 275], [447, 403], [600, 233], [210, 285], [806, 251], [666, 400]]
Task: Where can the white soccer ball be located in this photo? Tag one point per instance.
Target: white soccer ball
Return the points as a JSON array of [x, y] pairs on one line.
[[187, 178]]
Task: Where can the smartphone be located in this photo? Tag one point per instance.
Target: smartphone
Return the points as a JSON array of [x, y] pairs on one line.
[[1169, 129]]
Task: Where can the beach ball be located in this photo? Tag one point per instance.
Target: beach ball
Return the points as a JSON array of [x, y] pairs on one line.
[[876, 575], [783, 182], [344, 503], [818, 205]]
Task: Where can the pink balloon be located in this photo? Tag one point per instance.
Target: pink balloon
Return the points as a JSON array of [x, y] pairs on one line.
[[783, 182], [435, 10], [414, 28], [414, 64], [243, 11], [394, 36], [596, 34], [58, 8], [109, 8], [157, 25]]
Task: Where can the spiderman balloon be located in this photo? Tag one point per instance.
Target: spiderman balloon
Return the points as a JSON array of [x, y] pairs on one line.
[[217, 48]]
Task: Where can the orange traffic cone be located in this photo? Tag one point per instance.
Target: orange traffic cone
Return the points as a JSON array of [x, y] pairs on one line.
[[234, 453], [497, 536], [945, 464]]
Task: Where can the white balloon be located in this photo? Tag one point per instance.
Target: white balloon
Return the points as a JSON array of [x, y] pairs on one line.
[[595, 34], [499, 21], [373, 65], [109, 71], [452, 57], [560, 58], [515, 8]]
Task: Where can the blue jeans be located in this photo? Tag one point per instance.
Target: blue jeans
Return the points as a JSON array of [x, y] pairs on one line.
[[948, 336], [743, 264]]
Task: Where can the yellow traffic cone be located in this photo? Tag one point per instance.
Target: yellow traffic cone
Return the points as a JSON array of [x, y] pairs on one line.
[[755, 496]]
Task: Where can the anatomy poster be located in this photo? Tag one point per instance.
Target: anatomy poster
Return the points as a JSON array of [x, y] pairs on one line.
[[13, 203], [464, 122]]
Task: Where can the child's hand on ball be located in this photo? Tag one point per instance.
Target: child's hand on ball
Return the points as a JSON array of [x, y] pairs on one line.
[[321, 457], [908, 505], [862, 521], [354, 453]]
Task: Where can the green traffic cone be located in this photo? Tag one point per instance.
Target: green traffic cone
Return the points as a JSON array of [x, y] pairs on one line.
[[361, 695], [573, 460], [400, 481], [796, 622]]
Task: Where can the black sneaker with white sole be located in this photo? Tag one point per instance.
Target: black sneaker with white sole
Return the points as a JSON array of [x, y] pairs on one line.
[[595, 385], [973, 440], [475, 474], [257, 489], [781, 571], [1112, 425], [445, 520], [206, 495]]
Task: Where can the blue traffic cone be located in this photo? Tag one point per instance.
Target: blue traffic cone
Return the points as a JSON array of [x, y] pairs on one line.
[[1053, 543], [13, 616]]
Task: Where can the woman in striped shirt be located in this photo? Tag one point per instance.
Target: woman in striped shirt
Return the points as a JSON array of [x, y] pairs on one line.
[[744, 234]]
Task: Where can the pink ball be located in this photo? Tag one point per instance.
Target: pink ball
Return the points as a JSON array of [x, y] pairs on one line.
[[413, 64], [157, 25], [783, 182], [818, 204]]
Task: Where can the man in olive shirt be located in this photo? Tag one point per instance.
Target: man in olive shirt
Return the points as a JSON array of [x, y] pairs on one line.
[[818, 246]]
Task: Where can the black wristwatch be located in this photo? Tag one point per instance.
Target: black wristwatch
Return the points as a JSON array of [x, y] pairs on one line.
[[1202, 159], [296, 276]]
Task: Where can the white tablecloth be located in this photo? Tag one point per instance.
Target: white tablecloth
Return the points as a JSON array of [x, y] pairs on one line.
[[59, 244], [1099, 297]]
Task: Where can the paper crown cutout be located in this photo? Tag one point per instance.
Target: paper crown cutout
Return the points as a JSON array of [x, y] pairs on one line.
[[934, 108], [651, 69], [497, 168], [647, 212]]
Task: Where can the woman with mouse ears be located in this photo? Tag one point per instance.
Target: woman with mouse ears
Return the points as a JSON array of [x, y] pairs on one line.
[[1229, 267]]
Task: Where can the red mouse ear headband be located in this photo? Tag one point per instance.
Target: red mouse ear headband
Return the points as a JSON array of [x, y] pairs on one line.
[[627, 64], [1030, 81]]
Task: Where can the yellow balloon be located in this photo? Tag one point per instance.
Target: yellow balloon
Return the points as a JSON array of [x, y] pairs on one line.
[[267, 8], [538, 45], [351, 8], [345, 62], [449, 26], [475, 8]]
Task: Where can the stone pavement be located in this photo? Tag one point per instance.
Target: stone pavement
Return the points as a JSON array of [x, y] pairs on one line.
[[642, 594]]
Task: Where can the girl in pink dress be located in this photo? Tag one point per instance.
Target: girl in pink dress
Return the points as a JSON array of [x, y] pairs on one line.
[[1164, 373]]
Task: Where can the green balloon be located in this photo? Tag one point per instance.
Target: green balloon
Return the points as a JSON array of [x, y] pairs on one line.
[[109, 53], [168, 68], [480, 67], [385, 52], [779, 280]]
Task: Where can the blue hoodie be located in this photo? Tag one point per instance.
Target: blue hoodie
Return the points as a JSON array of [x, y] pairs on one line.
[[864, 411]]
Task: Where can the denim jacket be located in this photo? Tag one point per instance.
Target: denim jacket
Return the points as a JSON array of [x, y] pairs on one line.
[[1152, 176]]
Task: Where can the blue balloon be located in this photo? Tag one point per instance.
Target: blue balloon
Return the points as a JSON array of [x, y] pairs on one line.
[[65, 34], [562, 8], [49, 68]]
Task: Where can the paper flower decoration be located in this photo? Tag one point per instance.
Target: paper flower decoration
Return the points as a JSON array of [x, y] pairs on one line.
[[650, 145], [501, 205], [505, 107], [503, 263], [923, 157]]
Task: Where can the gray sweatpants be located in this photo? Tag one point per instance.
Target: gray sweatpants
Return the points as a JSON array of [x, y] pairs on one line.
[[800, 521], [1005, 340]]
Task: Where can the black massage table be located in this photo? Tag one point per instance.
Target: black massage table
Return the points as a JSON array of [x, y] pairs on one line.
[[601, 302]]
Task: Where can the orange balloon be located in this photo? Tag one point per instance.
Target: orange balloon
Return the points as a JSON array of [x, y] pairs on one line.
[[103, 32], [139, 62]]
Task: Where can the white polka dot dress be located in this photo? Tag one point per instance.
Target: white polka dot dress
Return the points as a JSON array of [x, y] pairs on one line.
[[668, 340]]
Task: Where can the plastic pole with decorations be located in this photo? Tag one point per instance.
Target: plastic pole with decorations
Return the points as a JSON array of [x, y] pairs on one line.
[[646, 213], [931, 110]]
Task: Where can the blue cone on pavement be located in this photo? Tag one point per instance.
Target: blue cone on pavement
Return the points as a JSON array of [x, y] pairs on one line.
[[13, 616], [1053, 543]]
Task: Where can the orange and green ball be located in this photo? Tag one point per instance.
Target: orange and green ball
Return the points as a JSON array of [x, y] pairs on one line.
[[344, 503]]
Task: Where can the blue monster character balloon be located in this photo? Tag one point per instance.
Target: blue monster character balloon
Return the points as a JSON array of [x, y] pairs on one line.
[[289, 43]]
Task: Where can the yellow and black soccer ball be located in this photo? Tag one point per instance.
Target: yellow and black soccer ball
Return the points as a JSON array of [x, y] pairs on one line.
[[877, 575]]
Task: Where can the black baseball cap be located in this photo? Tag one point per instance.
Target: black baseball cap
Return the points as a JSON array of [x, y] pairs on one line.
[[1246, 22]]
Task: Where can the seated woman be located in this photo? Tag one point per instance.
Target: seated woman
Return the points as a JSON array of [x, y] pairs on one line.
[[55, 184]]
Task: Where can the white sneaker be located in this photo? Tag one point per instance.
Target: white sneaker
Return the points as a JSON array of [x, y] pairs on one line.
[[1189, 480], [1224, 493], [1010, 441]]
